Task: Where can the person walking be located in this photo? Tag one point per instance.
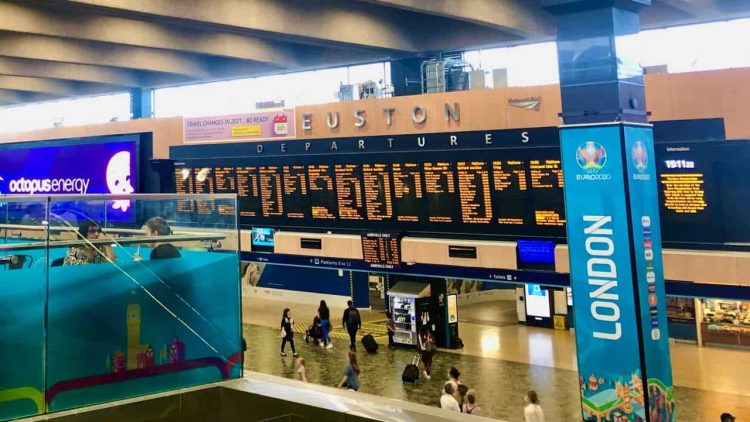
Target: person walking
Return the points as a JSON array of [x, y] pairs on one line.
[[301, 369], [472, 407], [350, 381], [352, 321], [426, 343], [287, 335], [453, 375], [325, 323], [448, 400], [391, 326], [533, 411]]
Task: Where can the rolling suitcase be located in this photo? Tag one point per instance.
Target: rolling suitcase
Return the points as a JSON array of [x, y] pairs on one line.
[[411, 372], [369, 342]]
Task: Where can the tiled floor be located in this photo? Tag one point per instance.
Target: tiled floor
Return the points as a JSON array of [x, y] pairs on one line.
[[502, 360]]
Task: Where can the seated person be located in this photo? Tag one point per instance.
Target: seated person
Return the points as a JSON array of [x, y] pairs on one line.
[[157, 226], [88, 253]]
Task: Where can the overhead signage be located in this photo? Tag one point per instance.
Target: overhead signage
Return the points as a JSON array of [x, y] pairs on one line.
[[240, 127], [608, 262]]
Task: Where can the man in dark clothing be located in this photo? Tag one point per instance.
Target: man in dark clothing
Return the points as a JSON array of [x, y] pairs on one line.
[[352, 322]]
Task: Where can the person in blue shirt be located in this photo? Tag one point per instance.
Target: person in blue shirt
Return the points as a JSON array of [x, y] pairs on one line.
[[350, 381]]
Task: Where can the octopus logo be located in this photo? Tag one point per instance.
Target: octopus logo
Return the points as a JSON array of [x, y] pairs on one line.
[[118, 179], [640, 156], [591, 156]]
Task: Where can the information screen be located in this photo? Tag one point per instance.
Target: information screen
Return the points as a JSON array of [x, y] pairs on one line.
[[262, 237], [503, 191], [536, 254], [381, 250], [537, 301], [704, 189]]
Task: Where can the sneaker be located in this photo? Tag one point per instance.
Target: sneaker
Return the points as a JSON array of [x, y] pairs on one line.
[[283, 354], [295, 355], [330, 346], [426, 375], [322, 345]]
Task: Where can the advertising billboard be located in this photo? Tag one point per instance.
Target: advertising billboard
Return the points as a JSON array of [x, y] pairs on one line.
[[75, 169]]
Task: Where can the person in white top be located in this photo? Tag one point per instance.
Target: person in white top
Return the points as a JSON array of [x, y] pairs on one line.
[[447, 401], [301, 370], [533, 411]]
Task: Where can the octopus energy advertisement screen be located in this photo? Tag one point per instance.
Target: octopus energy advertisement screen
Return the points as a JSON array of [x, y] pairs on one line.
[[78, 169]]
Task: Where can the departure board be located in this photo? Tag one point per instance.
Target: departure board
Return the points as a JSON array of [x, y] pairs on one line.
[[704, 191], [381, 250], [497, 192]]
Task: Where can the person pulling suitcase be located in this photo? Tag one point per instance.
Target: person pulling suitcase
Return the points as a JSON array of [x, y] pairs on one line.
[[411, 371]]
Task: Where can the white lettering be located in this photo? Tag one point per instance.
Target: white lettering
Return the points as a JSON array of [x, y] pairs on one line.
[[421, 141], [361, 144], [453, 113], [524, 137], [332, 120], [388, 115], [418, 114], [488, 139], [306, 121], [602, 275], [307, 146], [359, 116], [33, 186], [454, 140], [334, 146]]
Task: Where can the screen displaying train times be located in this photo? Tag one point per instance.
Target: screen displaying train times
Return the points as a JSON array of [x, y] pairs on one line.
[[704, 190], [502, 192], [381, 250]]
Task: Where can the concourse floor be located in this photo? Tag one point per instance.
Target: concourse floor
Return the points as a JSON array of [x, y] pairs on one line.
[[501, 360]]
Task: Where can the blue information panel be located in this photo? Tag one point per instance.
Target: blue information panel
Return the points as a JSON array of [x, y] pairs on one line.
[[644, 212], [609, 313]]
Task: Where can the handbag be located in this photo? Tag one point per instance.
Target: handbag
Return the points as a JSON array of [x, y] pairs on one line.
[[283, 332]]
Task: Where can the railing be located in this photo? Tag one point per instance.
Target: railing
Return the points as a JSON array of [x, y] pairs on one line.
[[97, 307]]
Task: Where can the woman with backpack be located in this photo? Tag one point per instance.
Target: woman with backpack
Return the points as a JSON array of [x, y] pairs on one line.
[[426, 349], [286, 332]]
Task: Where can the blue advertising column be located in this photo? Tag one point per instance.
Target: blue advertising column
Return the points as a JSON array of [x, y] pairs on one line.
[[616, 273], [612, 214]]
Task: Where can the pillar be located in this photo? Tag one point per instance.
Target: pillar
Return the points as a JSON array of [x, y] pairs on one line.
[[612, 214], [142, 103]]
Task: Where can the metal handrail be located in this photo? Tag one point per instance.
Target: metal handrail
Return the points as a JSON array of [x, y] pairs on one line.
[[288, 417], [114, 230], [121, 241], [105, 197]]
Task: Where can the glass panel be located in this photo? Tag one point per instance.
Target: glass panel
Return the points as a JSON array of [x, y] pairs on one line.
[[140, 302], [22, 280]]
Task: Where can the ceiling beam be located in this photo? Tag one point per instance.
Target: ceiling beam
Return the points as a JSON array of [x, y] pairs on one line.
[[38, 85], [332, 21], [69, 72], [26, 18], [521, 17], [186, 66], [9, 97]]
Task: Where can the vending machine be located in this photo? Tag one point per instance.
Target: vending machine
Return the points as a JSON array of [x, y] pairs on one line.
[[406, 301]]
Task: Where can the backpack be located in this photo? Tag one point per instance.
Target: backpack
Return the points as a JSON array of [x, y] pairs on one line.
[[354, 319]]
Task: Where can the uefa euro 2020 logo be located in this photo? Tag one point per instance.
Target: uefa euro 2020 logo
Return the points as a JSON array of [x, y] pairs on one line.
[[640, 156], [591, 156]]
